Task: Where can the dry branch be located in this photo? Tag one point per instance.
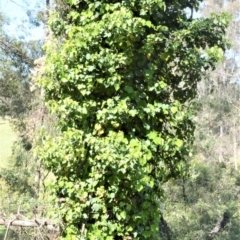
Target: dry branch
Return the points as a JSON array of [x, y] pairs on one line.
[[29, 223]]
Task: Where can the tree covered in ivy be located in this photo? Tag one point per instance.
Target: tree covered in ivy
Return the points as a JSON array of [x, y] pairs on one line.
[[120, 76]]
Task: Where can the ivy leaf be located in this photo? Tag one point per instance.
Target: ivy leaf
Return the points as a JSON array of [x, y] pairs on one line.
[[133, 112], [96, 207]]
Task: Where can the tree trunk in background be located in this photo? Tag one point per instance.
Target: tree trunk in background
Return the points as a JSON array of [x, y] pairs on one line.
[[221, 144], [38, 171], [235, 148]]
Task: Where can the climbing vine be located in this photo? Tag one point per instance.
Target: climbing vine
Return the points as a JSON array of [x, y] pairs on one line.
[[120, 75]]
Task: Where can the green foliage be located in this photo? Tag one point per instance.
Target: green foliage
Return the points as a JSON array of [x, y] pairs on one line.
[[194, 206], [119, 76], [17, 57], [7, 138], [22, 192], [18, 174]]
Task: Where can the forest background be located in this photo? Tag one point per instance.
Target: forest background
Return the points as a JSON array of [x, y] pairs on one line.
[[203, 205]]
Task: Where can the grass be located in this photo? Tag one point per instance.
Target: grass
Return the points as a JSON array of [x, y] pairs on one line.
[[7, 137]]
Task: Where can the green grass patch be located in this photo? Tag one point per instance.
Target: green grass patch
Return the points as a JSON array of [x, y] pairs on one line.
[[7, 138], [2, 231]]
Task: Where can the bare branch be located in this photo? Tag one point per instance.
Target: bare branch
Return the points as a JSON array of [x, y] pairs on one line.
[[29, 223]]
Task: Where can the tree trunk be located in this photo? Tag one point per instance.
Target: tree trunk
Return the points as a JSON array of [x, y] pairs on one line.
[[235, 148], [221, 144]]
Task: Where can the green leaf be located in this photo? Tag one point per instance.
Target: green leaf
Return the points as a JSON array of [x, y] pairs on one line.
[[179, 143], [91, 68], [174, 109], [96, 207], [152, 135], [133, 112], [123, 214]]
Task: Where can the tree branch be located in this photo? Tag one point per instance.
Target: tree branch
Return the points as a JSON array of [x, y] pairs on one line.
[[29, 223], [220, 225]]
